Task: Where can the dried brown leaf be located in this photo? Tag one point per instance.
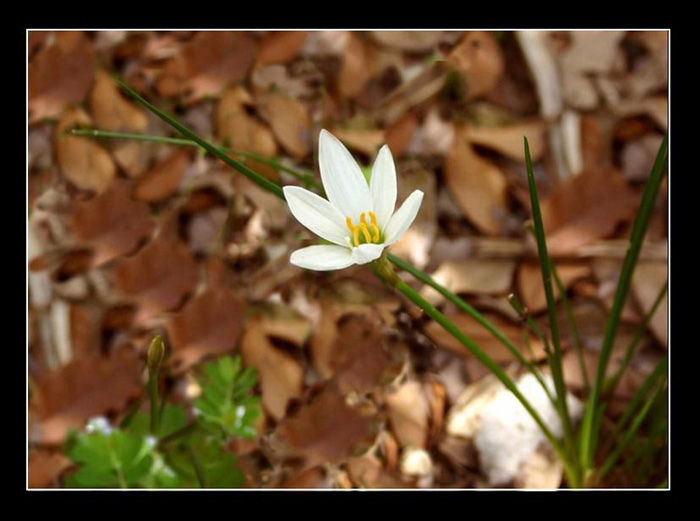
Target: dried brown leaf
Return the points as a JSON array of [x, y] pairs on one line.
[[289, 120], [531, 288], [479, 58], [280, 47], [163, 180], [508, 140]]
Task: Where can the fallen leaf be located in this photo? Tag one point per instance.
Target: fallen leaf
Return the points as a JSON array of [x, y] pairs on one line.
[[586, 208], [82, 161], [280, 47], [60, 74], [475, 276], [163, 180], [400, 134], [411, 41], [409, 411], [209, 324], [478, 186], [289, 120], [112, 223], [366, 141], [508, 140], [281, 376], [355, 71], [44, 468], [111, 111], [86, 387], [325, 429], [207, 64], [647, 282], [531, 288], [484, 339], [158, 277], [479, 58]]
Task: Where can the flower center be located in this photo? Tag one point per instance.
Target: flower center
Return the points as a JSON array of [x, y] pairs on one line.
[[364, 233]]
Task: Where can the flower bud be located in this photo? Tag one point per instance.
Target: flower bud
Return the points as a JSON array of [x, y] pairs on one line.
[[156, 353]]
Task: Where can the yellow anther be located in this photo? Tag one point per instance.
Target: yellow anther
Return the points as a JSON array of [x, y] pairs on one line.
[[356, 235], [365, 231], [348, 221], [363, 219], [375, 231], [373, 218]]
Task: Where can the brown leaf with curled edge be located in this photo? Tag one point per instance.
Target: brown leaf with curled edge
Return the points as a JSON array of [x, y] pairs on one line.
[[484, 339], [363, 356], [408, 409], [163, 180], [478, 185], [508, 140], [158, 277], [207, 64], [399, 134], [479, 58], [289, 120], [531, 288], [45, 467], [366, 141], [209, 324], [281, 375], [647, 282], [239, 130], [586, 208], [82, 161], [411, 41], [474, 276], [112, 223], [111, 111], [280, 47], [325, 429], [60, 74], [85, 387], [355, 70]]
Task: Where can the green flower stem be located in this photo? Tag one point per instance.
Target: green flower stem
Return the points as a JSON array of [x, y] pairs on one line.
[[545, 266], [383, 270], [611, 384], [588, 436], [180, 433], [153, 393], [306, 177], [198, 468], [264, 183]]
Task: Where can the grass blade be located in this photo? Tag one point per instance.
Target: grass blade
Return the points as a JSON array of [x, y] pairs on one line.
[[588, 444]]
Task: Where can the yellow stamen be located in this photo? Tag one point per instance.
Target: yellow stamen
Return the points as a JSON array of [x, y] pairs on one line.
[[373, 218], [375, 231], [348, 221], [365, 231], [356, 235]]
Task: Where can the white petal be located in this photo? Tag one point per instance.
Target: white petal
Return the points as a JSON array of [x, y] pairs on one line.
[[403, 218], [365, 253], [343, 181], [382, 186], [317, 214], [322, 257]]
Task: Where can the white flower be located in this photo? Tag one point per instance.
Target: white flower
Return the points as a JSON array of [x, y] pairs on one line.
[[358, 219]]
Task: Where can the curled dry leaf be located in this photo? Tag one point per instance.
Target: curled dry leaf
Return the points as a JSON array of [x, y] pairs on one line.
[[325, 429], [86, 387], [647, 282], [355, 71], [366, 141], [531, 288], [289, 120], [44, 468], [281, 375], [400, 134], [485, 340], [280, 47], [112, 223], [111, 111], [508, 140], [476, 276], [82, 161], [408, 409], [586, 208], [60, 74], [209, 324], [411, 41], [479, 58], [239, 130], [478, 185], [163, 180], [207, 64], [158, 277]]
